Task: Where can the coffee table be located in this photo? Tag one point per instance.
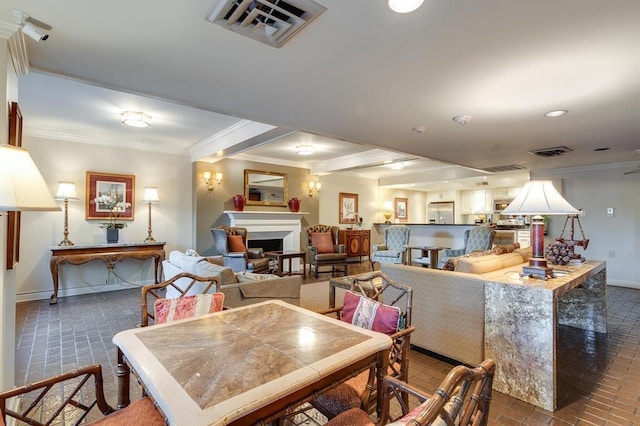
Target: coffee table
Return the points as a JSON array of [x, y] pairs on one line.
[[429, 256], [280, 255]]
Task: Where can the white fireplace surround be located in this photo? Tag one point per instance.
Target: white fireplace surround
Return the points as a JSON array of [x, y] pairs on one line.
[[263, 225]]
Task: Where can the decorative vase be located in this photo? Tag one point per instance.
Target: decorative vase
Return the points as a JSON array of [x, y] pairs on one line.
[[112, 235], [294, 205], [238, 202]]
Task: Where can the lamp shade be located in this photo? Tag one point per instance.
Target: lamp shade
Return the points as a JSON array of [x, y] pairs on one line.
[[22, 187], [66, 191], [539, 197], [151, 195], [388, 205]]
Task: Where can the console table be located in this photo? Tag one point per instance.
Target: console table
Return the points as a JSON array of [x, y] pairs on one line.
[[110, 254]]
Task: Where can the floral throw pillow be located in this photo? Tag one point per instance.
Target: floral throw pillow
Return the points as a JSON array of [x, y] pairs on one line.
[[167, 310], [370, 314]]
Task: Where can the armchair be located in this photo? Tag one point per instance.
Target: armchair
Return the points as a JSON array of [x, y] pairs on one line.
[[231, 244], [323, 250], [394, 248], [479, 238], [65, 399], [462, 399], [387, 310]]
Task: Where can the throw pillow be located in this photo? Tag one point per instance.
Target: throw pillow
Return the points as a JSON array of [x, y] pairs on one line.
[[167, 310], [322, 241], [247, 277], [235, 243], [370, 314]]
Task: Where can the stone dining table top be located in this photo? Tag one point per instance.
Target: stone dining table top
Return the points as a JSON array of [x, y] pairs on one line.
[[216, 368]]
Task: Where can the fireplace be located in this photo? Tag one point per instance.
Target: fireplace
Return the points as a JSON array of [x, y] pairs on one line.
[[272, 244], [265, 226]]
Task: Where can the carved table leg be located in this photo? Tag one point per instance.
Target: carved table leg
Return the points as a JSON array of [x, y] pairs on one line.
[[53, 265], [123, 373]]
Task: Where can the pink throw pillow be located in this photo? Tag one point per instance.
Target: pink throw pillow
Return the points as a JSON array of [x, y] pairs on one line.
[[368, 313], [167, 310], [322, 241]]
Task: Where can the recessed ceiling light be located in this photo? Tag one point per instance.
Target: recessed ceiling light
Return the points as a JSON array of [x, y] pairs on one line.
[[418, 129], [136, 119], [396, 166], [556, 113], [462, 119], [304, 149]]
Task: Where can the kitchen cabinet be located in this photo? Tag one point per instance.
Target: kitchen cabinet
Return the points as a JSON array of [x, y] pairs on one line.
[[476, 202], [465, 202], [434, 197], [524, 238], [358, 242]]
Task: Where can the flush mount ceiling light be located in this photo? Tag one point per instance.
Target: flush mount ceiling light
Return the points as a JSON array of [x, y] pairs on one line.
[[136, 119], [396, 166], [404, 6], [462, 119], [304, 149], [556, 113]]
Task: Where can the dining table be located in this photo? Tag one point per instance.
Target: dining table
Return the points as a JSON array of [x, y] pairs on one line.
[[246, 365]]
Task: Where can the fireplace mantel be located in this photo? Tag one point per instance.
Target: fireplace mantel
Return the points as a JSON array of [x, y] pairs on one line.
[[263, 225]]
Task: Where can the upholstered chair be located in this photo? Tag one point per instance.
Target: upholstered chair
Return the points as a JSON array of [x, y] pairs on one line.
[[394, 248], [479, 238], [231, 244], [387, 309], [462, 399], [323, 250], [81, 396]]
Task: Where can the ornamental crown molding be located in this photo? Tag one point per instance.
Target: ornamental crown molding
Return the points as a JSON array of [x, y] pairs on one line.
[[17, 47]]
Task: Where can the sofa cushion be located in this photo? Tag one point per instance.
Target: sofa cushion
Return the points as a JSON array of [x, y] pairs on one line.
[[236, 244], [322, 241], [487, 263], [368, 313], [208, 269]]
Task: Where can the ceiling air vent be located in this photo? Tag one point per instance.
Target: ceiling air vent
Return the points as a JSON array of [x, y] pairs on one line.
[[551, 152], [506, 168], [272, 22]]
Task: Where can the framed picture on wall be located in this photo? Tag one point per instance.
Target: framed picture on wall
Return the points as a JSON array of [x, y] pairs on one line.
[[402, 209], [118, 188], [13, 218], [347, 207]]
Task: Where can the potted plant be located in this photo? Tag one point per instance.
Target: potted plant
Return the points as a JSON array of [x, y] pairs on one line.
[[110, 202]]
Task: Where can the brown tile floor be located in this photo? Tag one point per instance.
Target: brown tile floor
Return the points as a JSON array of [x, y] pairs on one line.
[[600, 384]]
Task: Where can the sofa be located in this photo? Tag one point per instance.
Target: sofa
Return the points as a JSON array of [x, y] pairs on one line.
[[239, 288], [448, 306]]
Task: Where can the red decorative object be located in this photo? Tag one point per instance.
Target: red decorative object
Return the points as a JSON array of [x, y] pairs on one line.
[[294, 205], [238, 202]]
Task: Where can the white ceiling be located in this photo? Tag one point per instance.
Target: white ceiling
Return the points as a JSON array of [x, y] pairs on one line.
[[354, 82]]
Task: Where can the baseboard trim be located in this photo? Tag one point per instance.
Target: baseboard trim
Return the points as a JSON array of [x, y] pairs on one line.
[[46, 294]]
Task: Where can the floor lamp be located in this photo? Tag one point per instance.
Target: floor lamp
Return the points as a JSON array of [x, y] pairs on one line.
[[150, 196], [537, 198], [66, 192]]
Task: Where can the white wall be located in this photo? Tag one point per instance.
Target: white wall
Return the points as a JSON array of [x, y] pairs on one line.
[[172, 218], [615, 240]]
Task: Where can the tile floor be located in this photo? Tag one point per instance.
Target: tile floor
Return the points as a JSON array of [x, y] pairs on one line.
[[600, 384]]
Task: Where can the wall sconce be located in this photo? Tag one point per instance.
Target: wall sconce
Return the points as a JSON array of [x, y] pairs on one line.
[[388, 211], [150, 196], [66, 192], [314, 187], [212, 183]]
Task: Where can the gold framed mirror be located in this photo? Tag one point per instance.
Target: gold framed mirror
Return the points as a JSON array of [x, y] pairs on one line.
[[265, 188]]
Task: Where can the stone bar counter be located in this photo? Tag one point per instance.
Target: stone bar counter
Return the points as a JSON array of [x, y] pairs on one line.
[[521, 318]]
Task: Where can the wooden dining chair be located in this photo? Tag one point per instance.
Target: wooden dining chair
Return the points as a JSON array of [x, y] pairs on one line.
[[69, 399], [386, 309], [150, 294], [462, 399]]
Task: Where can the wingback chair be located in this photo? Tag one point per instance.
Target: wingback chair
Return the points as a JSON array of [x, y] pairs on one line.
[[394, 248], [323, 250], [479, 238], [231, 244]]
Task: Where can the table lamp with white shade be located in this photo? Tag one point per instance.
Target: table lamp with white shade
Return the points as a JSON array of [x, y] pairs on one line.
[[537, 198], [66, 192], [150, 197]]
